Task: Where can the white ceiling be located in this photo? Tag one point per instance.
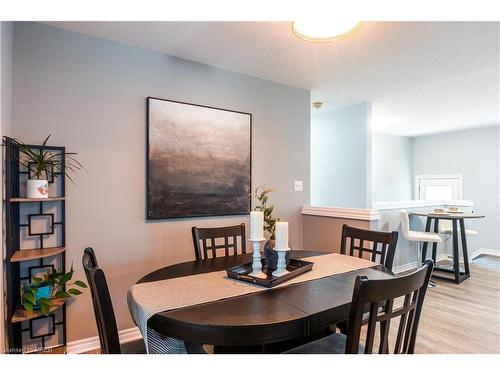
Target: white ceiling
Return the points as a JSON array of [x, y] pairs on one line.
[[381, 59], [470, 100]]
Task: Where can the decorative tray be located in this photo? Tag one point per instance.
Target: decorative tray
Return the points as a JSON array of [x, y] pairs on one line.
[[295, 268]]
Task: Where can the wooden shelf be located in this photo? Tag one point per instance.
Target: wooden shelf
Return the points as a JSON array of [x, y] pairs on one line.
[[20, 315], [30, 254], [22, 199]]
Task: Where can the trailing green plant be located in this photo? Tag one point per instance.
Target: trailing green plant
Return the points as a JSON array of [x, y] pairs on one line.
[[57, 282], [262, 195], [44, 160]]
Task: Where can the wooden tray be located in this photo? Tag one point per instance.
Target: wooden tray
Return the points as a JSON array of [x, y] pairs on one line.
[[295, 268]]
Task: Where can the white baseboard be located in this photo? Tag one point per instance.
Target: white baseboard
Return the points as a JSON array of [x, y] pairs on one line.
[[478, 252], [413, 265], [490, 252], [475, 254], [92, 343]]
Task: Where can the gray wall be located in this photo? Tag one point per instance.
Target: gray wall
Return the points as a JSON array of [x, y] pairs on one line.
[[474, 154], [6, 37], [90, 95], [341, 157], [392, 165]]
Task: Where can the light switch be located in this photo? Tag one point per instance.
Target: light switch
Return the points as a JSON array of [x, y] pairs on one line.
[[298, 185]]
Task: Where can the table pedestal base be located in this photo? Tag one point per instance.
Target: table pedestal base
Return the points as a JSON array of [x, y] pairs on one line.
[[459, 275]]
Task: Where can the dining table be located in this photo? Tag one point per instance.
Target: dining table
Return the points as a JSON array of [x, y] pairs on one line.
[[458, 220], [271, 320]]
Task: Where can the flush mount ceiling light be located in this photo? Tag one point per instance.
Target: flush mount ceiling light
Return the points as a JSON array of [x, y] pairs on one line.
[[317, 104], [324, 30]]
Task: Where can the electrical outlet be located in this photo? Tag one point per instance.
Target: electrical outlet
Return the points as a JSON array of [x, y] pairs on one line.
[[298, 186]]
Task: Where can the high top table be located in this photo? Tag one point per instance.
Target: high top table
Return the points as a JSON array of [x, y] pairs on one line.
[[270, 321], [457, 219]]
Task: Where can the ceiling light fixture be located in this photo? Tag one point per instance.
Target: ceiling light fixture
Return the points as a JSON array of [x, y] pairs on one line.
[[324, 30]]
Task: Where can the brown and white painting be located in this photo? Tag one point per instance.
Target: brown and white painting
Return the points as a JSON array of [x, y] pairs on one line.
[[199, 160]]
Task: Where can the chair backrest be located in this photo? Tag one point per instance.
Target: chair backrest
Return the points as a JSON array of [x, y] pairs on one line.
[[208, 236], [383, 244], [101, 300], [405, 224], [379, 296]]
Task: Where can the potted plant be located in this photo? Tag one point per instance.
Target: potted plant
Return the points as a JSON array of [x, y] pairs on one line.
[[40, 162], [40, 293], [262, 195]]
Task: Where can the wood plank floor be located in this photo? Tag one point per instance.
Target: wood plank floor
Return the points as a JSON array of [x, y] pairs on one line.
[[460, 319], [465, 318]]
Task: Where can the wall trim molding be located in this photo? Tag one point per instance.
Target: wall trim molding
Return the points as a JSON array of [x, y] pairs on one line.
[[92, 343], [366, 214], [394, 205]]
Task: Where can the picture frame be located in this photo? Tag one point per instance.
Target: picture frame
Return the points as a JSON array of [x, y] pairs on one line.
[[198, 160]]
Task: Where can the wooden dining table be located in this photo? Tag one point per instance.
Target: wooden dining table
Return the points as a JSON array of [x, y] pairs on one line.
[[268, 321]]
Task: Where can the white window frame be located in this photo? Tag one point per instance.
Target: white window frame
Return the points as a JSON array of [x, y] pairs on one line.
[[418, 178]]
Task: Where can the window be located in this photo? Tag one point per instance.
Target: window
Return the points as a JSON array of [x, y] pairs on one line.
[[438, 187]]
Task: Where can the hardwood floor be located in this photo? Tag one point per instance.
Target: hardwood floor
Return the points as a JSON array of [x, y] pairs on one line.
[[461, 319], [465, 318]]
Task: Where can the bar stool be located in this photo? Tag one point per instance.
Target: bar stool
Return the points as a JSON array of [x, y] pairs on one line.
[[418, 237], [446, 228]]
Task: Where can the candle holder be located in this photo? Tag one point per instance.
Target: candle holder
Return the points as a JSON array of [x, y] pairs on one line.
[[281, 266], [257, 262]]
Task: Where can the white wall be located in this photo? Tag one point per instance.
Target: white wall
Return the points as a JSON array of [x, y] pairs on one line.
[[474, 154], [341, 157], [6, 36], [90, 94], [392, 166]]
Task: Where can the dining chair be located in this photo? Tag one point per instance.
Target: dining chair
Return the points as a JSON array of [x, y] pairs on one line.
[[383, 247], [106, 321], [208, 237], [375, 294], [383, 244], [103, 309]]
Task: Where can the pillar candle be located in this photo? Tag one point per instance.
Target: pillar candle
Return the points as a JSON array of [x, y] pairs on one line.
[[256, 225], [281, 235]]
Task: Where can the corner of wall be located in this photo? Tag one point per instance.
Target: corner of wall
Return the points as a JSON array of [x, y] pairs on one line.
[[6, 44], [369, 156], [412, 182]]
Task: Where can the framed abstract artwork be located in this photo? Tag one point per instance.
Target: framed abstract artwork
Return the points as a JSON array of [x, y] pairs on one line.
[[198, 160]]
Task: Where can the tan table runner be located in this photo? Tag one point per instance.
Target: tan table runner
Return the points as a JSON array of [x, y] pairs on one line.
[[147, 299]]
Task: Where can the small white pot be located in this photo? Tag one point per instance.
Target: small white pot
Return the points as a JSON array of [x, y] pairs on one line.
[[38, 189]]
